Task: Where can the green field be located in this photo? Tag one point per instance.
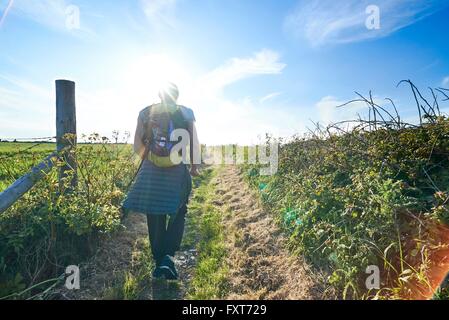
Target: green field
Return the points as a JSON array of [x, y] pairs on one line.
[[17, 158], [17, 147]]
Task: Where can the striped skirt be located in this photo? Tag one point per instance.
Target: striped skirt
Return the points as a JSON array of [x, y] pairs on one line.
[[159, 191]]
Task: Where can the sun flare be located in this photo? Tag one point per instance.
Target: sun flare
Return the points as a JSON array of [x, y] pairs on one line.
[[146, 76]]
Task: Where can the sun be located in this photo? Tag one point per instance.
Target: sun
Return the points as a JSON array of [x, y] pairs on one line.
[[146, 76]]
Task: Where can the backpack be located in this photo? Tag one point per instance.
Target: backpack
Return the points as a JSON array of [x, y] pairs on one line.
[[162, 121]]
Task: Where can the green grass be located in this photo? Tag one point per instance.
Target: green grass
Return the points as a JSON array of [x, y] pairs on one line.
[[362, 198], [209, 280], [17, 158], [17, 147], [204, 232], [133, 284]]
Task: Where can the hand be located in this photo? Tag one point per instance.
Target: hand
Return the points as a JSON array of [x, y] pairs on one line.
[[194, 171]]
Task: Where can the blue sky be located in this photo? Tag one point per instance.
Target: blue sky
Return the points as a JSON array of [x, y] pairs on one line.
[[244, 67]]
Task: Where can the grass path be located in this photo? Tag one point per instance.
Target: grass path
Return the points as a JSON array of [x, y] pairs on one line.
[[232, 249], [260, 265], [122, 267]]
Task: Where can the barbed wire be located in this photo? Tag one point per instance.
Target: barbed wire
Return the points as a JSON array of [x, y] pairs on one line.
[[11, 140], [43, 140], [17, 153]]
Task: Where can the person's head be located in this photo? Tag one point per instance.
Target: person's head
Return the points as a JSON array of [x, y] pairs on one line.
[[169, 93]]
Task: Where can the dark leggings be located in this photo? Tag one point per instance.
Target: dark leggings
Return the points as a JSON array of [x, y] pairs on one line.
[[166, 239]]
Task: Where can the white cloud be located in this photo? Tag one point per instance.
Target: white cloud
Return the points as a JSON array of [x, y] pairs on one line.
[[26, 109], [264, 62], [220, 119], [224, 120], [270, 97], [47, 12], [323, 22], [6, 11], [328, 111], [26, 86], [23, 96], [445, 82], [160, 13]]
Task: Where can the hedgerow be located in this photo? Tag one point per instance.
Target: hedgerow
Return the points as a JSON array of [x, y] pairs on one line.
[[47, 230], [374, 194]]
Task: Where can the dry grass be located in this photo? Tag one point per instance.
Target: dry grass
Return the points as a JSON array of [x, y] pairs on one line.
[[260, 266], [115, 255]]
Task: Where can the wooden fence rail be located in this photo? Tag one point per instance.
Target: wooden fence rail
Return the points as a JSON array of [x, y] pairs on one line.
[[25, 183], [65, 139]]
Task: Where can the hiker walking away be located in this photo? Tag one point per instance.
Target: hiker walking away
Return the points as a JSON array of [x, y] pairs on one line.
[[161, 189]]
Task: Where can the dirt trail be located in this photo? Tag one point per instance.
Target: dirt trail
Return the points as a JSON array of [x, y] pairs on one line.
[[118, 254], [260, 265]]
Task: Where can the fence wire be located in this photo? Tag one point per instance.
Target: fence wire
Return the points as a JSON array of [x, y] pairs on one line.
[[12, 140], [42, 140]]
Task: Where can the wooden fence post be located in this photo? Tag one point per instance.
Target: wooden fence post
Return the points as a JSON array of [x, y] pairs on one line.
[[66, 130]]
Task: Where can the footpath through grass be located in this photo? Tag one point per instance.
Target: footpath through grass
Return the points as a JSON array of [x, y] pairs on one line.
[[209, 278], [203, 240], [200, 261]]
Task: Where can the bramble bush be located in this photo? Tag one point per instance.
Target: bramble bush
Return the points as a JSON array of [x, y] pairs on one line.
[[371, 195]]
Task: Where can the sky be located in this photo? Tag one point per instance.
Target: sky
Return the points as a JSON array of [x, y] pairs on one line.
[[244, 67]]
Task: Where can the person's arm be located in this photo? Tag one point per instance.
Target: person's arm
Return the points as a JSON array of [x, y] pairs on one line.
[[195, 150], [139, 146]]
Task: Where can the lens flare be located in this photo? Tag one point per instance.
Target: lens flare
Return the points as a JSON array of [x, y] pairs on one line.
[[168, 92], [5, 13]]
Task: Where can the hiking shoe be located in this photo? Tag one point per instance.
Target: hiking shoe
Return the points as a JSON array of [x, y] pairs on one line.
[[168, 265], [158, 273]]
